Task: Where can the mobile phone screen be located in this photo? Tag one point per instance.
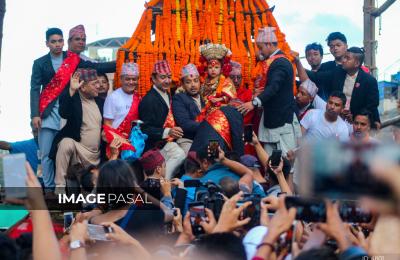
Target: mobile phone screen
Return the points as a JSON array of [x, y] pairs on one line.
[[248, 133], [68, 218], [276, 157], [13, 175], [197, 215], [98, 232], [307, 209], [213, 146]]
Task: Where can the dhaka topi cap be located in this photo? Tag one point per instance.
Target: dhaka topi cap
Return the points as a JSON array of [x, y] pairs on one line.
[[236, 69], [266, 35], [162, 67], [130, 69], [151, 160], [188, 70], [87, 74], [78, 30]]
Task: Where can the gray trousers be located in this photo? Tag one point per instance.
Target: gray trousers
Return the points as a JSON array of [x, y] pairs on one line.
[[46, 137]]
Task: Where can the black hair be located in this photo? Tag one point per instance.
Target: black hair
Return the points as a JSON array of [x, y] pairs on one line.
[[53, 31], [221, 246], [191, 166], [285, 170], [116, 177], [316, 47], [8, 248], [336, 36], [229, 186], [340, 95], [358, 53], [364, 112], [101, 74], [24, 243], [87, 179], [232, 155], [321, 253]]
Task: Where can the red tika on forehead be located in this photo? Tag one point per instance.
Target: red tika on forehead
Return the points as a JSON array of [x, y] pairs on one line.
[[214, 63]]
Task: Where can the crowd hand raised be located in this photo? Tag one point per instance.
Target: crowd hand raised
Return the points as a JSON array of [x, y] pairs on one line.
[[221, 155], [119, 235], [165, 187], [357, 237], [75, 83], [246, 107], [177, 221], [277, 169], [176, 132], [210, 223], [187, 227], [229, 218], [178, 183], [282, 219], [334, 226], [35, 199], [266, 204], [37, 122]]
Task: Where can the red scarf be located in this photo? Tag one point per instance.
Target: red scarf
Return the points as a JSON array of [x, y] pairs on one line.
[[169, 121], [124, 129], [59, 81]]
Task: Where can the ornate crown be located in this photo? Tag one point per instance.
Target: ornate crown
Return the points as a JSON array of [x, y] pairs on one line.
[[211, 51]]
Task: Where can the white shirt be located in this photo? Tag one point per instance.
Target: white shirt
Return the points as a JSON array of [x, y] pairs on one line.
[[117, 106], [318, 128], [348, 88]]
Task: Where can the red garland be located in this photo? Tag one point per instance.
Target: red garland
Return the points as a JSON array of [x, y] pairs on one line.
[[57, 84]]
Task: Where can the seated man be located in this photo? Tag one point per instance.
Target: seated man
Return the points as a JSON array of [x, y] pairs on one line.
[[318, 124], [307, 98], [78, 142], [186, 106], [121, 107], [362, 127], [159, 124]]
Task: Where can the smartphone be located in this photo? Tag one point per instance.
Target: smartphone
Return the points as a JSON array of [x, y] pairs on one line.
[[276, 157], [192, 183], [98, 232], [307, 209], [197, 215], [68, 218], [13, 175], [248, 133], [213, 146]]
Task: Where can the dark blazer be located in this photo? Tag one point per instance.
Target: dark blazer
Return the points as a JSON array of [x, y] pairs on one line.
[[365, 92], [185, 112], [153, 111], [277, 97], [71, 109], [43, 72]]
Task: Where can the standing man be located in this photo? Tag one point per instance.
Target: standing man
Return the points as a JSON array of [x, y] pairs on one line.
[[337, 44], [159, 124], [46, 119], [279, 126], [50, 77], [314, 54]]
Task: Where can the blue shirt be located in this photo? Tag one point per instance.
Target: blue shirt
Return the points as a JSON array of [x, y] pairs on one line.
[[30, 149]]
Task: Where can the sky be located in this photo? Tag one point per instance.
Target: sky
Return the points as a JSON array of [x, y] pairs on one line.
[[26, 21]]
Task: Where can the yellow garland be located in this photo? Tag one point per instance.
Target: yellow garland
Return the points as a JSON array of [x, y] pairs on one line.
[[189, 18], [178, 20]]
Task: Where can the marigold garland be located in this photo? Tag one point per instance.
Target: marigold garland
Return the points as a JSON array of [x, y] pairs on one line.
[[185, 24]]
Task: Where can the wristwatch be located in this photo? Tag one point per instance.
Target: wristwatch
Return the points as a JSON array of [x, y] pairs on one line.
[[76, 244], [254, 102]]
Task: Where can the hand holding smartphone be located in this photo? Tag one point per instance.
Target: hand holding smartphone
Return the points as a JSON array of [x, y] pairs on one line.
[[13, 175], [276, 157], [248, 133], [98, 232], [213, 147], [197, 215]]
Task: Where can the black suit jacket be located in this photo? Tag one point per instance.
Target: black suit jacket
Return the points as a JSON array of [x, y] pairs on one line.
[[153, 111], [71, 109], [365, 93], [43, 72], [185, 112], [277, 97]]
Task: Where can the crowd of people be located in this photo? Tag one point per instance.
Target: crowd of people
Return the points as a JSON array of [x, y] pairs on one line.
[[186, 147]]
